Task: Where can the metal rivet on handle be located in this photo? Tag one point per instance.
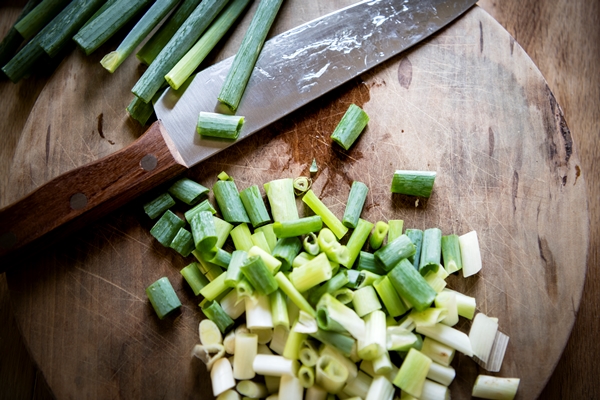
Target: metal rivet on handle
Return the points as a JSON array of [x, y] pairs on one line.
[[149, 162], [78, 201], [8, 240]]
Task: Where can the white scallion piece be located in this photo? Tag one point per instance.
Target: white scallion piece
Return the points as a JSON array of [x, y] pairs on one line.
[[306, 323], [441, 374], [448, 336], [221, 376], [470, 253], [229, 342], [209, 333], [333, 315], [253, 390], [246, 348], [374, 343], [272, 383], [231, 304], [264, 335], [263, 349], [434, 391], [274, 365], [315, 393], [380, 389], [290, 388], [358, 386], [497, 354], [382, 365], [482, 336], [429, 316], [258, 312], [229, 395], [465, 305], [367, 368], [274, 396], [447, 301], [280, 336], [209, 354], [495, 387], [399, 339], [331, 374], [438, 352], [327, 350]]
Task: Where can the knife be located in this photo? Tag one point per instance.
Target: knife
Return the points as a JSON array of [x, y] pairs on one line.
[[294, 68]]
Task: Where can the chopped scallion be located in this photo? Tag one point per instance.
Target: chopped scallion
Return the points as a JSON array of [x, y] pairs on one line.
[[413, 183], [336, 226], [163, 298], [350, 126], [219, 125], [255, 206]]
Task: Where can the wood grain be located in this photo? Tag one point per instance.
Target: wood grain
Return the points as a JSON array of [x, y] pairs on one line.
[[537, 23]]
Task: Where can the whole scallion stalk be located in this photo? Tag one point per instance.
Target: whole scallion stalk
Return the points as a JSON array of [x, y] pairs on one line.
[[185, 37], [250, 48], [151, 18]]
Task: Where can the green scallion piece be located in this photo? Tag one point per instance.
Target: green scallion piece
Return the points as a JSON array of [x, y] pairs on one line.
[[230, 204], [298, 227], [163, 298], [310, 244], [103, 27], [368, 262], [244, 288], [223, 229], [204, 205], [234, 273], [339, 341], [11, 42], [357, 240], [391, 300], [194, 57], [336, 226], [39, 17], [188, 191], [166, 228], [350, 127], [378, 234], [259, 276], [301, 185], [394, 229], [224, 176], [337, 282], [204, 231], [183, 242], [279, 309], [215, 288], [219, 125], [194, 277], [343, 295], [355, 204], [280, 193], [138, 33], [159, 205], [269, 234], [286, 250], [412, 373], [411, 286], [215, 313], [250, 48], [451, 253], [155, 44], [140, 110], [185, 37], [431, 251], [314, 168], [355, 278], [242, 238], [294, 295], [332, 315], [390, 254], [255, 206], [259, 239], [218, 256], [312, 273], [365, 301], [24, 61], [413, 183], [415, 236], [368, 278]]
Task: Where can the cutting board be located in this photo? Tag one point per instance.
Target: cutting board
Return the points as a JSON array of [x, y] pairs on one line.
[[467, 103]]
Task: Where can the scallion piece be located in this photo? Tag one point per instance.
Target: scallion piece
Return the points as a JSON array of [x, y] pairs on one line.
[[294, 344], [381, 388], [470, 253], [230, 204], [365, 301], [194, 277], [255, 206], [204, 231], [273, 264], [374, 343], [183, 242], [215, 288], [234, 272], [159, 205], [250, 48], [166, 228], [13, 39], [24, 61], [415, 236], [243, 288], [413, 372], [259, 239], [350, 126], [241, 236], [185, 37], [482, 334], [395, 229], [357, 240], [219, 125], [311, 274], [431, 251], [400, 339], [294, 295], [447, 301], [252, 390], [413, 183], [194, 57], [378, 235], [279, 309], [465, 305], [140, 110], [204, 205], [258, 312], [259, 276], [310, 244], [495, 387], [221, 377], [337, 282], [359, 386], [389, 296], [163, 298], [333, 315], [103, 27], [286, 250], [298, 227], [336, 226], [451, 253], [448, 336], [138, 33], [390, 254], [39, 17], [155, 44], [269, 235], [218, 256], [188, 191], [368, 262], [411, 285], [368, 278], [214, 312], [280, 193], [355, 278], [355, 204]]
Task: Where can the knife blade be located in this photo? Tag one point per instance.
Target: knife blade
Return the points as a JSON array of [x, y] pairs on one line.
[[294, 68]]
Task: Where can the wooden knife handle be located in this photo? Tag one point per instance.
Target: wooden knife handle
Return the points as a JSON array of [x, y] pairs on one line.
[[80, 196]]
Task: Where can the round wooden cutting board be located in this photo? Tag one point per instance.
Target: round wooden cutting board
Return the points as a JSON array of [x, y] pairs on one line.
[[467, 103]]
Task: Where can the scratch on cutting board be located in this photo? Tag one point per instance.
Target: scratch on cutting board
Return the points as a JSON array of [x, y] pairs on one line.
[[48, 143], [110, 283]]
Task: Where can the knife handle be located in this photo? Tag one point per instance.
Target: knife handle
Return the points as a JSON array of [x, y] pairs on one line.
[[85, 194]]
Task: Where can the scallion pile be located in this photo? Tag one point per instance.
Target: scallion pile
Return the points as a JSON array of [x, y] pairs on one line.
[[311, 308]]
